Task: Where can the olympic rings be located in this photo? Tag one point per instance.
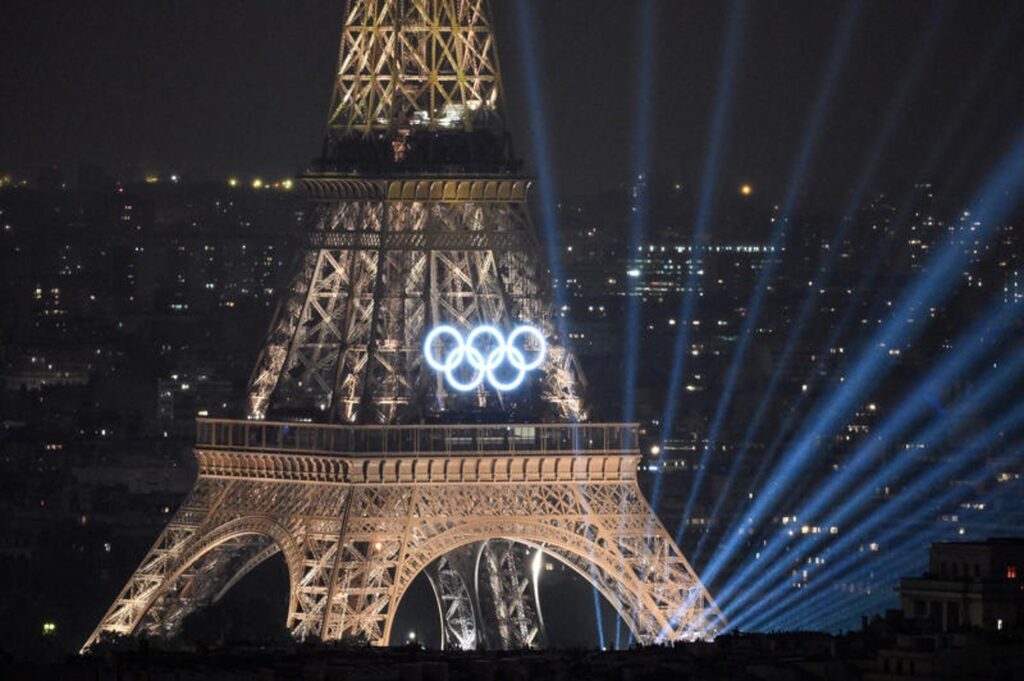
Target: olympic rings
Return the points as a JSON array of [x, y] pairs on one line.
[[485, 350]]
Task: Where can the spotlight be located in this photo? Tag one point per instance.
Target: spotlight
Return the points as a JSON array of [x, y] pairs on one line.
[[797, 177], [731, 52]]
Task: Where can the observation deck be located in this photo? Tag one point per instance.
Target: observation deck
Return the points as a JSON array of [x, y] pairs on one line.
[[416, 454]]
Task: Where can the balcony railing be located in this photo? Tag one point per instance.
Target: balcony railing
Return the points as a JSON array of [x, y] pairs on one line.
[[418, 440]]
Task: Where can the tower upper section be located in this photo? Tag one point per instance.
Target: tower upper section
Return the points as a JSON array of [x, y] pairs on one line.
[[417, 90]]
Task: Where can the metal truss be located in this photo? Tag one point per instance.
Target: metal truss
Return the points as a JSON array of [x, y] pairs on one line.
[[512, 618], [346, 342], [415, 63], [423, 241], [353, 548], [393, 251], [455, 603], [486, 598]]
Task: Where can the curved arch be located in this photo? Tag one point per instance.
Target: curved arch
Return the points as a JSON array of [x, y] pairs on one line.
[[249, 566], [205, 544], [537, 535]]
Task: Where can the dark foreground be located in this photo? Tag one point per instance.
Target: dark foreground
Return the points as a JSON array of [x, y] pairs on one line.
[[778, 657]]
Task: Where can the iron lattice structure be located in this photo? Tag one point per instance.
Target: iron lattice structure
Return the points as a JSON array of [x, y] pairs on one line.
[[419, 218], [455, 604], [516, 623], [415, 63], [359, 512], [486, 597], [386, 261]]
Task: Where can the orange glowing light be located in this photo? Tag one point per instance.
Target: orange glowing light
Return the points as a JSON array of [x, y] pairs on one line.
[[746, 190]]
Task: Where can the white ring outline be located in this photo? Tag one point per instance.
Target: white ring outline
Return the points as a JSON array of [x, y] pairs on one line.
[[541, 343], [465, 350]]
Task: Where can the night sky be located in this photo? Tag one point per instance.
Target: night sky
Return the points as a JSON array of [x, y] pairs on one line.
[[216, 87]]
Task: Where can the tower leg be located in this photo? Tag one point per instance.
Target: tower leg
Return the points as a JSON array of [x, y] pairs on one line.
[[356, 531], [207, 546], [455, 602], [507, 596]]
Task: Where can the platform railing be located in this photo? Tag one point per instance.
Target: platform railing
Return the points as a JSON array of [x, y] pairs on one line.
[[416, 440]]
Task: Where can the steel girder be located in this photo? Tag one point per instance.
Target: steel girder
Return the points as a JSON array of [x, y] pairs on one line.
[[458, 608], [353, 550], [346, 341], [421, 63]]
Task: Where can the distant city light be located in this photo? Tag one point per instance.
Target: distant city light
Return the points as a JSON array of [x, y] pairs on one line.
[[897, 444]]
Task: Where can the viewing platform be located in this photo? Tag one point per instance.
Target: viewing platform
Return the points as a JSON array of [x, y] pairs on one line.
[[417, 453]]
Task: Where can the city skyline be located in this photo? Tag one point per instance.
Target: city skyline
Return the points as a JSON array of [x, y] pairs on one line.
[[761, 271]]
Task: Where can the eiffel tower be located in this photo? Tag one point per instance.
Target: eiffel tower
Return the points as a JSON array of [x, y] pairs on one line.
[[360, 462]]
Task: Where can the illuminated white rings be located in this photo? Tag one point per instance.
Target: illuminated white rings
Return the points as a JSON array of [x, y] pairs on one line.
[[483, 353]]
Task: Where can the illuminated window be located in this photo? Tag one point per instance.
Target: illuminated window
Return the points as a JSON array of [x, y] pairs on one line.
[[1011, 572]]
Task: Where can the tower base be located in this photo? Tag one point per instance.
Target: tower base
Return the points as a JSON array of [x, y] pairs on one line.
[[359, 511]]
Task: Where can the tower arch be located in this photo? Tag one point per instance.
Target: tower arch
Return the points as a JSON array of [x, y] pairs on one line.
[[187, 570], [609, 575]]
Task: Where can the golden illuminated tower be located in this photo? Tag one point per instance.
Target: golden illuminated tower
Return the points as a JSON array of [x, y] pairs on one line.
[[359, 461]]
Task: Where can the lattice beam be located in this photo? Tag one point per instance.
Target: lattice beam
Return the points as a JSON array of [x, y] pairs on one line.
[[455, 603], [415, 64], [353, 549], [347, 342]]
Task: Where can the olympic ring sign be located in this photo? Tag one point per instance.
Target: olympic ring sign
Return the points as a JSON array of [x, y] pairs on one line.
[[485, 354]]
